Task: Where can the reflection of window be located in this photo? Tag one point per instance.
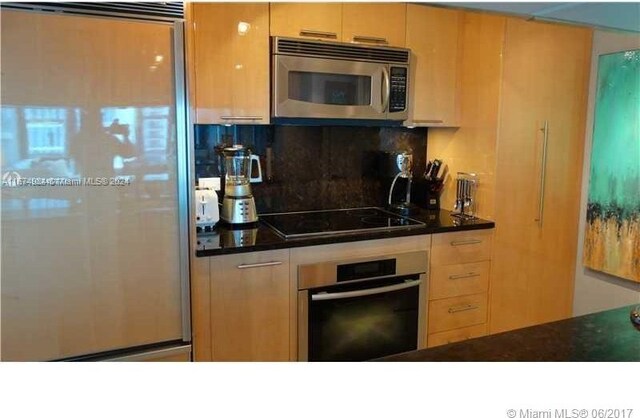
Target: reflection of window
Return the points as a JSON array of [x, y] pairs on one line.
[[9, 138], [155, 134], [46, 130], [121, 116], [148, 128], [155, 131]]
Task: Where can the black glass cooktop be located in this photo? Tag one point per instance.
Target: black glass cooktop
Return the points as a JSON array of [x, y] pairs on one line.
[[338, 221]]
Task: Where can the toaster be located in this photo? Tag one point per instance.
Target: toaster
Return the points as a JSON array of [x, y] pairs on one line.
[[207, 209]]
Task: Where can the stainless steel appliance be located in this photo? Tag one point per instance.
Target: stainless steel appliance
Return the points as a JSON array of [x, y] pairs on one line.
[[238, 205], [336, 221], [95, 259], [333, 80], [466, 187], [404, 162], [362, 308]]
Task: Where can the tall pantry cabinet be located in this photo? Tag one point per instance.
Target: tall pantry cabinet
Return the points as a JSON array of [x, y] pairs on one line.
[[538, 173]]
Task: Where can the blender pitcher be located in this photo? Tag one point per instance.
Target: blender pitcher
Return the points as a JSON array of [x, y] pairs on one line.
[[238, 205]]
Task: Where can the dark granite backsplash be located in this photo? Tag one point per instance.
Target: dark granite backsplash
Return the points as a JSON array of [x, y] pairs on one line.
[[315, 167]]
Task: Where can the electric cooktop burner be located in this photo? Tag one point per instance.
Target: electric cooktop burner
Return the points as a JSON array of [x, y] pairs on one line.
[[337, 221]]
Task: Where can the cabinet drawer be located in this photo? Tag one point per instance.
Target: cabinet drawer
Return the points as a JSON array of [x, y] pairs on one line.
[[459, 279], [461, 247], [458, 312], [462, 334]]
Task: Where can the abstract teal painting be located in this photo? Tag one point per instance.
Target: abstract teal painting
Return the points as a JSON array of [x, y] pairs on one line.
[[612, 238]]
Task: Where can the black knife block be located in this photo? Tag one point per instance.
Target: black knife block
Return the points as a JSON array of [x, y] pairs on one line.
[[426, 193]]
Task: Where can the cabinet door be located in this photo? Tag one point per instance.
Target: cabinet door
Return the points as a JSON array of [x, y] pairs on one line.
[[250, 306], [231, 62], [374, 23], [432, 36], [545, 77], [566, 85], [309, 20]]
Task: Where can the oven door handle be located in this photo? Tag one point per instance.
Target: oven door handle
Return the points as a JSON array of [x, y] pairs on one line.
[[365, 292]]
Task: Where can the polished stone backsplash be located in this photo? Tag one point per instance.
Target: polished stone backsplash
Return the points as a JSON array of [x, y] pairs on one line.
[[315, 167]]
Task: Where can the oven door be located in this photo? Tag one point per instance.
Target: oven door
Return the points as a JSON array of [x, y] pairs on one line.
[[361, 321], [306, 87]]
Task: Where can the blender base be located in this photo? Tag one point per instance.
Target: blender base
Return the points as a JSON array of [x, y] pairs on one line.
[[239, 210]]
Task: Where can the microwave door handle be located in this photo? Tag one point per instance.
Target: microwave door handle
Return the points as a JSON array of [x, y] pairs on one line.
[[386, 88]]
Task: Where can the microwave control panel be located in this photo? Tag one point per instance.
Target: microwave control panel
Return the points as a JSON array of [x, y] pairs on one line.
[[398, 96]]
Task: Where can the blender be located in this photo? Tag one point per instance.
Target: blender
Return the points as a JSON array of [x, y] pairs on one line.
[[238, 205]]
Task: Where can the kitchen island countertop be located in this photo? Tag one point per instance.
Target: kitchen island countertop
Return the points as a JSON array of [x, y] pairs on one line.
[[224, 240], [602, 336]]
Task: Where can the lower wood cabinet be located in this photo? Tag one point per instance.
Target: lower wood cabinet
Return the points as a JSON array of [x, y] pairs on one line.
[[459, 273], [458, 312], [249, 296], [244, 306], [459, 334]]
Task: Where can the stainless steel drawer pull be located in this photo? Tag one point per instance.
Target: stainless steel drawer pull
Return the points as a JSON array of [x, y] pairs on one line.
[[241, 117], [318, 34], [466, 242], [370, 39], [464, 276], [462, 308], [256, 265]]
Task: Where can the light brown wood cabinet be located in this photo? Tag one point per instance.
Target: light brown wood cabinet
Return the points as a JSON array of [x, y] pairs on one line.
[[228, 58], [374, 23], [365, 23], [538, 173], [249, 306], [459, 286], [307, 20], [434, 37]]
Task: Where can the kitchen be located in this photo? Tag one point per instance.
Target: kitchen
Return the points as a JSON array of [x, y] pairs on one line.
[[297, 172]]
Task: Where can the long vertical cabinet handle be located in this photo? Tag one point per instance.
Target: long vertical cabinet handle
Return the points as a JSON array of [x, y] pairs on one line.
[[543, 172]]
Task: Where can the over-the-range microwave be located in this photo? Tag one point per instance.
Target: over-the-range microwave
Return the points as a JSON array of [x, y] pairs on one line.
[[334, 80]]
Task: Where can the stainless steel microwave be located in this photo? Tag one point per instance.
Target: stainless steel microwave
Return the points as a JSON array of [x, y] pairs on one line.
[[333, 80]]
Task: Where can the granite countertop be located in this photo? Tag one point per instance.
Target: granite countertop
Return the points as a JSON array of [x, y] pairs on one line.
[[603, 336], [224, 240]]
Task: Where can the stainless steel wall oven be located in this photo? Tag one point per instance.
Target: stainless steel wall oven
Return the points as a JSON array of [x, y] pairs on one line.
[[361, 309]]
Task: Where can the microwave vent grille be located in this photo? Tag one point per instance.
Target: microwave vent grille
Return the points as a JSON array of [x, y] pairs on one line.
[[335, 50]]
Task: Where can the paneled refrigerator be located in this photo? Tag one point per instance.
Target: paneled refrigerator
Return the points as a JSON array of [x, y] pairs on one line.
[[94, 188]]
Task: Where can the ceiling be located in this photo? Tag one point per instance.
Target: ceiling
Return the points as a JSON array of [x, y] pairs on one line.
[[620, 16]]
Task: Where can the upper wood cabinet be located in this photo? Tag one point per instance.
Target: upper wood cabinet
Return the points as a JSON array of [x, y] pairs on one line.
[[228, 56], [374, 23], [433, 36], [538, 174], [308, 20]]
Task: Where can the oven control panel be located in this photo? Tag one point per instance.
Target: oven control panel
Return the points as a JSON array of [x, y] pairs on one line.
[[357, 271]]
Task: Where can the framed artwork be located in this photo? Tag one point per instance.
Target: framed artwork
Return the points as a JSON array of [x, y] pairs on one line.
[[612, 238]]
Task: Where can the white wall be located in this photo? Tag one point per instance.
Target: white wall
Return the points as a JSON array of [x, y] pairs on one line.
[[595, 291]]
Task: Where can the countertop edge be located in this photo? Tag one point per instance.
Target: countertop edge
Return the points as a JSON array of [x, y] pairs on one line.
[[337, 239]]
